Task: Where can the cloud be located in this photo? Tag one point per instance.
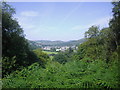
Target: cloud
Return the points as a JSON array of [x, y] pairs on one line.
[[103, 22], [33, 30], [29, 13], [25, 19]]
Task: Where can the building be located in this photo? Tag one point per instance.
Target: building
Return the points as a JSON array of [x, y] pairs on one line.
[[46, 48]]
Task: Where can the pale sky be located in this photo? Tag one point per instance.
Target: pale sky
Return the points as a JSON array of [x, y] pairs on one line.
[[60, 20]]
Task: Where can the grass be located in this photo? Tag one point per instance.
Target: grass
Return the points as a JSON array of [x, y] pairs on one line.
[[49, 52]]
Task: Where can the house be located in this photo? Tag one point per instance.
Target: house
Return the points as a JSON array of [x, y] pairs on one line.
[[47, 48], [58, 49]]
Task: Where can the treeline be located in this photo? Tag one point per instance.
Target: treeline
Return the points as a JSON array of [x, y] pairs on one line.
[[94, 65], [16, 52]]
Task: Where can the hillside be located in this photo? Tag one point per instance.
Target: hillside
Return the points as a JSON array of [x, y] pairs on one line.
[[42, 43]]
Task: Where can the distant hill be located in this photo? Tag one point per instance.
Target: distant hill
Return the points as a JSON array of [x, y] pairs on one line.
[[49, 43], [43, 43]]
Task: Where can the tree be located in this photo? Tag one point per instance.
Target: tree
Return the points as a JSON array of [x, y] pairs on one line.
[[98, 45], [92, 32], [115, 23], [43, 57], [61, 58], [14, 43]]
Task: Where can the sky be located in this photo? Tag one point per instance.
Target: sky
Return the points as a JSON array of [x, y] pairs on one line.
[[60, 20]]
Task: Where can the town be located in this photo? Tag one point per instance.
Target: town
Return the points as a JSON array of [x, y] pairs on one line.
[[58, 48]]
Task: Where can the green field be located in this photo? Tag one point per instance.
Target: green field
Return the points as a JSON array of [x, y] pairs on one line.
[[49, 52]]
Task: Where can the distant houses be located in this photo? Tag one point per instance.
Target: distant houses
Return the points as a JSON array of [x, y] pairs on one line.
[[64, 48], [46, 48], [54, 48], [56, 45], [57, 49]]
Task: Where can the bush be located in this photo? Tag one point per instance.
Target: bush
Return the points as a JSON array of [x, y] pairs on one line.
[[74, 74], [61, 58]]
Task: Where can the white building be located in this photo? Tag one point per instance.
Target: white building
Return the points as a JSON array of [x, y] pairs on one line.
[[58, 49], [47, 48]]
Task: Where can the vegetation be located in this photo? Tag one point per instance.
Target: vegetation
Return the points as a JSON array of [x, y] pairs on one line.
[[16, 53], [94, 65], [74, 74], [44, 43], [49, 52]]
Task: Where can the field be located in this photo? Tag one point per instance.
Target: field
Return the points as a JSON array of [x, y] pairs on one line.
[[49, 52]]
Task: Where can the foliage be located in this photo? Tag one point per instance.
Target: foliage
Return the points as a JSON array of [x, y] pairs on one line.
[[13, 42], [61, 58], [43, 57], [92, 32], [115, 23], [44, 43], [97, 47], [93, 65], [51, 53], [7, 65], [74, 74]]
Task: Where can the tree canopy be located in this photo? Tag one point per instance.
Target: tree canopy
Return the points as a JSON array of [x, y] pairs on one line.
[[14, 44]]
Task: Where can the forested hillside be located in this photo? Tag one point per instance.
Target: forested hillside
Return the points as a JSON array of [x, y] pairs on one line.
[[95, 64], [60, 43], [43, 43]]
